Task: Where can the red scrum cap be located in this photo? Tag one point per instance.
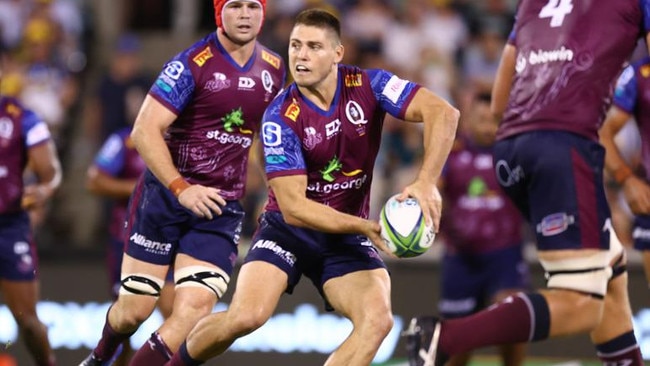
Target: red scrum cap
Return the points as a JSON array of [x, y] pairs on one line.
[[220, 4]]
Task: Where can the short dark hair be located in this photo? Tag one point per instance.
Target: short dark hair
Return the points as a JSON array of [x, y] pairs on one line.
[[321, 19]]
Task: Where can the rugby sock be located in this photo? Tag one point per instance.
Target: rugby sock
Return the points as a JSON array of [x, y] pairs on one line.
[[519, 318], [183, 358], [153, 352], [109, 342], [622, 350]]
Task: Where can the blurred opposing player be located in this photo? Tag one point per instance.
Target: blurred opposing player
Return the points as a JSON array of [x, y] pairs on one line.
[[114, 174], [483, 261], [551, 91], [194, 132], [631, 99], [321, 137], [24, 138]]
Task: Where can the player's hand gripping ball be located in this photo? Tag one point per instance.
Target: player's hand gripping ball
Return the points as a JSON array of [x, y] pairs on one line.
[[403, 228]]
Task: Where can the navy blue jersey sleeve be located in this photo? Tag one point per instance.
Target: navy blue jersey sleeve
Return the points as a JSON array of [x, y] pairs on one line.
[[394, 94], [645, 5], [110, 158], [35, 130], [625, 93], [174, 86], [282, 148]]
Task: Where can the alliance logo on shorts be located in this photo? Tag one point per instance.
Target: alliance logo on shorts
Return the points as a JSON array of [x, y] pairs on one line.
[[151, 246], [285, 255]]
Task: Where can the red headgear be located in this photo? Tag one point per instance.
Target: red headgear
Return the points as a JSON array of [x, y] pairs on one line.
[[220, 4]]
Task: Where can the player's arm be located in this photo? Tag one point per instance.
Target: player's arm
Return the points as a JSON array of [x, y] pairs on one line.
[[440, 121], [635, 189], [300, 211], [44, 162], [503, 81], [103, 184], [148, 136]]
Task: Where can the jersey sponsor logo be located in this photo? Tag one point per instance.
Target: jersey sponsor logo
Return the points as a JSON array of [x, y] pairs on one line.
[[293, 111], [163, 85], [274, 155], [508, 176], [561, 54], [347, 184], [312, 138], [284, 254], [246, 83], [394, 88], [218, 82], [271, 59], [332, 128], [151, 246], [203, 56], [555, 223], [227, 138], [354, 80]]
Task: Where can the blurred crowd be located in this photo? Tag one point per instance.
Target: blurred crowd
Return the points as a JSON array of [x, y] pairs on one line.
[[86, 71]]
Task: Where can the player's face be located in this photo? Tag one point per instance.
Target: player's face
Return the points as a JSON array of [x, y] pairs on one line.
[[482, 126], [242, 20], [313, 54]]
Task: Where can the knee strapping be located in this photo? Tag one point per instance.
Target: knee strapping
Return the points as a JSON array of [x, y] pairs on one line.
[[587, 274], [616, 251], [211, 278], [141, 284]]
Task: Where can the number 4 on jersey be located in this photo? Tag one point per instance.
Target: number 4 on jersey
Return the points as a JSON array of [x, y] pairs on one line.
[[556, 10]]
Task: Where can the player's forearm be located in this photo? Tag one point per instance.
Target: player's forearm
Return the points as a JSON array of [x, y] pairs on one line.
[[440, 126], [313, 215]]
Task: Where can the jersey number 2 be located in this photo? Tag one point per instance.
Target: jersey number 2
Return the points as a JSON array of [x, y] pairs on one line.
[[556, 10]]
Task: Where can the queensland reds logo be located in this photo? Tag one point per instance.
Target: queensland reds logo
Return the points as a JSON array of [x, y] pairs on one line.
[[355, 114], [312, 138]]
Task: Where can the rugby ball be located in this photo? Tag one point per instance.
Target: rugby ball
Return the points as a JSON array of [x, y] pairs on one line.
[[403, 228]]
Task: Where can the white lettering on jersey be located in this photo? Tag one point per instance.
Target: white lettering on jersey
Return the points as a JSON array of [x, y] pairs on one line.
[[556, 10]]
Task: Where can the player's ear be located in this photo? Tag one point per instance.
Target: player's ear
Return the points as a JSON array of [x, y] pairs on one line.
[[340, 51]]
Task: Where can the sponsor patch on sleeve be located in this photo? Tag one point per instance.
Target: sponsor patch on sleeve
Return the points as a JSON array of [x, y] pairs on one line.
[[271, 59], [394, 88]]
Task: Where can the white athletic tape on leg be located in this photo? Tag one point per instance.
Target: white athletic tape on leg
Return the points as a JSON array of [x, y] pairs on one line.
[[212, 278], [585, 274]]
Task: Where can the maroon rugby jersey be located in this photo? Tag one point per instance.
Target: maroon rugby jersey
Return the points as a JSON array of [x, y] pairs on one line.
[[568, 55], [219, 106], [478, 217]]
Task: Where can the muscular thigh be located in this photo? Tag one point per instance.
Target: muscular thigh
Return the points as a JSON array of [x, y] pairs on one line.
[[357, 292], [556, 179]]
